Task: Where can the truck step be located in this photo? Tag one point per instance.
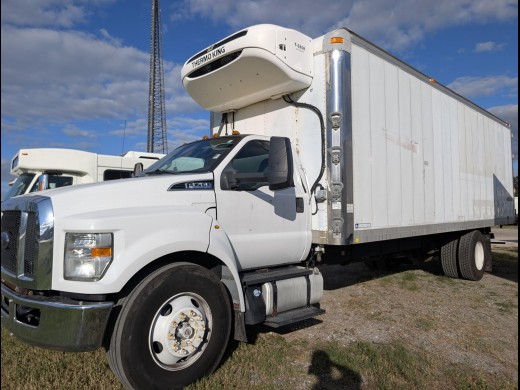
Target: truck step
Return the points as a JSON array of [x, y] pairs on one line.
[[292, 316], [259, 277]]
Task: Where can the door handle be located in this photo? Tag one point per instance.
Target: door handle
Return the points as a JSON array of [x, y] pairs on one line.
[[299, 205]]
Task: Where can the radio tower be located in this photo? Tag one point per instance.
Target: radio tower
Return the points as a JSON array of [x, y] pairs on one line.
[[157, 140]]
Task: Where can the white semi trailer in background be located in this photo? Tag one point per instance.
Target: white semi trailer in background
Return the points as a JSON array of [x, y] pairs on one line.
[[344, 152], [47, 168]]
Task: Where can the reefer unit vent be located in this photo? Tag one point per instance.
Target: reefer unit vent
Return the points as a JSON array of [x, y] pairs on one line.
[[259, 63]]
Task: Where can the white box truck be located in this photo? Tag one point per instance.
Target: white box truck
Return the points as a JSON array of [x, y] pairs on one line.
[[344, 152], [47, 168]]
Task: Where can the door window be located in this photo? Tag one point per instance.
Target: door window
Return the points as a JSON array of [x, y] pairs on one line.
[[252, 158]]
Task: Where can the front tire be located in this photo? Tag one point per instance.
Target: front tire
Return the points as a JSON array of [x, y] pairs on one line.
[[173, 329]]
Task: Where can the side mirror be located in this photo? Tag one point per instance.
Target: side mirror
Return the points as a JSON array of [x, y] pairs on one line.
[[231, 180], [138, 168], [43, 182], [280, 174]]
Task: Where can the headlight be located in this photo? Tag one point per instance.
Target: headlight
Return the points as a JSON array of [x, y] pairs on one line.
[[87, 255]]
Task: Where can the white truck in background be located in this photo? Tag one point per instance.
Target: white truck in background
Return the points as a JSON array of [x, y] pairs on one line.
[[47, 168], [344, 152]]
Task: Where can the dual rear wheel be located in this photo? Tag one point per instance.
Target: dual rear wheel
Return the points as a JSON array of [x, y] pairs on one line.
[[467, 257]]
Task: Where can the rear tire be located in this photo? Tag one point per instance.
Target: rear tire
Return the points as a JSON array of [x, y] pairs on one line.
[[474, 255], [449, 259], [173, 329], [488, 266]]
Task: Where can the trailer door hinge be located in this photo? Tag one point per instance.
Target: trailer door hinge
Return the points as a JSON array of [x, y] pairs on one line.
[[335, 155], [335, 120]]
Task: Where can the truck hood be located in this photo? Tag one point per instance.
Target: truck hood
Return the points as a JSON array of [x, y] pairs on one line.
[[164, 191]]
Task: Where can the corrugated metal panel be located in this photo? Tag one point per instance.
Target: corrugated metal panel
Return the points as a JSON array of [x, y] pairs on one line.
[[421, 156], [463, 164], [428, 162], [379, 158], [406, 160], [455, 161], [362, 140], [419, 180], [393, 141]]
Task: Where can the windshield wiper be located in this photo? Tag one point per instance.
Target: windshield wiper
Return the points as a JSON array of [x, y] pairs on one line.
[[159, 172]]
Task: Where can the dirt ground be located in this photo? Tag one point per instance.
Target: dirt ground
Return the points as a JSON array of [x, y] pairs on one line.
[[459, 321]]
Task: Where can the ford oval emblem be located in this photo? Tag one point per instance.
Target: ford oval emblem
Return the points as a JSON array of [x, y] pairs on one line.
[[5, 240]]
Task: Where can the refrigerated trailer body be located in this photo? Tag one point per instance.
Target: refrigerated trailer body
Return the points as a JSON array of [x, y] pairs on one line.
[[344, 153]]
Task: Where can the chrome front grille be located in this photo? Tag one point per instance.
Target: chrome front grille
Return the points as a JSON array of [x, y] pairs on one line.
[[10, 234], [20, 237], [31, 244], [27, 240]]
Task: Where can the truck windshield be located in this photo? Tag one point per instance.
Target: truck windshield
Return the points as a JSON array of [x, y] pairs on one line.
[[195, 157], [20, 185]]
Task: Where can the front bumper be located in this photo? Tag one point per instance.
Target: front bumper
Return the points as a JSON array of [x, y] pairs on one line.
[[55, 322]]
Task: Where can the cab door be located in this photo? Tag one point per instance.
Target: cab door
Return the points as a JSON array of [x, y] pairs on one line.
[[265, 227]]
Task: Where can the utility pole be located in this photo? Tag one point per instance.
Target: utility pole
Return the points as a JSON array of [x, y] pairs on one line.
[[157, 139]]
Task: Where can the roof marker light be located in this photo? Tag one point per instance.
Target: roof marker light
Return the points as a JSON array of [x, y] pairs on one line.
[[337, 40]]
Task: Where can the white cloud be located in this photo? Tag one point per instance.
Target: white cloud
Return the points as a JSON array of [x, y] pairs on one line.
[[60, 13], [132, 128], [393, 25], [73, 131], [70, 75], [399, 25], [190, 124], [109, 38], [472, 87], [489, 46]]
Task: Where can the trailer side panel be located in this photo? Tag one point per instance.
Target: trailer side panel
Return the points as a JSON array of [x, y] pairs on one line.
[[423, 161]]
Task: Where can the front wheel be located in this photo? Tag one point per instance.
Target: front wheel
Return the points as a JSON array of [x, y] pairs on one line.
[[173, 329]]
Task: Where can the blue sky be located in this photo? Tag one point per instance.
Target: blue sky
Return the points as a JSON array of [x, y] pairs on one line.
[[75, 72]]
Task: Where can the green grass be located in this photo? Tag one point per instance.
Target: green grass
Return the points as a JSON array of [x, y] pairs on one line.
[[274, 363], [506, 306], [271, 363], [31, 368]]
